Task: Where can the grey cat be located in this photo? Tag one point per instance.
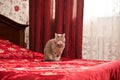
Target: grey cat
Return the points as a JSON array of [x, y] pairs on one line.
[[54, 48]]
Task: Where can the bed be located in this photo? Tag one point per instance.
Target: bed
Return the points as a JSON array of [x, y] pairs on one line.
[[19, 63]]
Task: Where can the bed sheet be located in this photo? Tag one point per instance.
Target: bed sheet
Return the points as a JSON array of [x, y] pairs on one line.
[[34, 69], [9, 50]]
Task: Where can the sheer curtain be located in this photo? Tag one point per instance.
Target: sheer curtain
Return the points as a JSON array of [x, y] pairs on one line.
[[101, 29]]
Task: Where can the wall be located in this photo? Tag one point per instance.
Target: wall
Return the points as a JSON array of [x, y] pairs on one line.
[[17, 10]]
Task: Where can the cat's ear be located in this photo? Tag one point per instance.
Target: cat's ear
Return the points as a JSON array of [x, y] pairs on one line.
[[63, 34]]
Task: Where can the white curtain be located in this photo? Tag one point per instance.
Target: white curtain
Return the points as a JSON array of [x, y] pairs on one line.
[[101, 29]]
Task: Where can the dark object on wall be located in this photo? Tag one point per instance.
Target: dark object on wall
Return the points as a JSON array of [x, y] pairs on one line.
[[12, 31]]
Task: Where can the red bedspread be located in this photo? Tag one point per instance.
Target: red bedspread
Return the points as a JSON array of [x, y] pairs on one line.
[[8, 50], [33, 69], [17, 63]]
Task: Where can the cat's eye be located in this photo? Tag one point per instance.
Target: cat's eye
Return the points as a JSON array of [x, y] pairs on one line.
[[59, 36]]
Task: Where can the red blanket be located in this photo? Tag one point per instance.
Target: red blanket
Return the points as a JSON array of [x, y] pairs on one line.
[[34, 69]]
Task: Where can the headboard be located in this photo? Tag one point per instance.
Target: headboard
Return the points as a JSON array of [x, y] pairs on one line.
[[12, 31]]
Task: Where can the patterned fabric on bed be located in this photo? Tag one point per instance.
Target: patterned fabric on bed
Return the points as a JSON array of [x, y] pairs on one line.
[[34, 69], [8, 50]]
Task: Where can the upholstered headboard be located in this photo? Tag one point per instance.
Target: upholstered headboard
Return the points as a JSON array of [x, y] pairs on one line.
[[12, 31]]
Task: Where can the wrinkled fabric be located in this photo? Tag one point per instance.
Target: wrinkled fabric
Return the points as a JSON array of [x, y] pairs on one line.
[[34, 69], [8, 50]]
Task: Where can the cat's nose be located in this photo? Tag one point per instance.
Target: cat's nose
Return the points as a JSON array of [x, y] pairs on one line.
[[59, 42]]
